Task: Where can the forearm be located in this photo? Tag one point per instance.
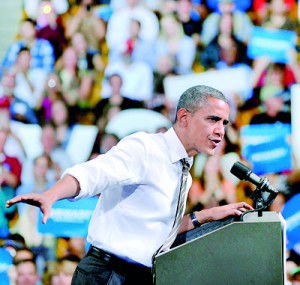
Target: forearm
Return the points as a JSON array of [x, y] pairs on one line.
[[202, 216], [214, 214], [66, 187]]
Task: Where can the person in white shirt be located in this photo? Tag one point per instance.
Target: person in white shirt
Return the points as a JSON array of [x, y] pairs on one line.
[[139, 181]]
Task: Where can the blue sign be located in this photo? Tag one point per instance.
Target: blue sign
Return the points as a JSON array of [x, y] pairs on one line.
[[241, 5], [69, 219], [275, 44], [5, 262], [291, 214], [266, 147]]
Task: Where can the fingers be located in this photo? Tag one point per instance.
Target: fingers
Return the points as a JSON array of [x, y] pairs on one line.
[[13, 201], [245, 206], [241, 208]]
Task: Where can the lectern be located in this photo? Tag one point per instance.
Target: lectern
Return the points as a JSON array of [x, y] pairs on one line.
[[245, 252]]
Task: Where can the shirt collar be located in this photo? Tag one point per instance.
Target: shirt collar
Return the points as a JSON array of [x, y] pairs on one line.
[[177, 150]]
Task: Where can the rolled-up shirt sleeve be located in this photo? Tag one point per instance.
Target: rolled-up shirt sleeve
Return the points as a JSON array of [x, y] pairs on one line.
[[124, 164]]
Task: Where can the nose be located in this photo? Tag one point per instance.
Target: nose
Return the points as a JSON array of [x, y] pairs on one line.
[[220, 129]]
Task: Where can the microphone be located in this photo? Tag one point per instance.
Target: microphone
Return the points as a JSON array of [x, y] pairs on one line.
[[242, 172], [264, 194]]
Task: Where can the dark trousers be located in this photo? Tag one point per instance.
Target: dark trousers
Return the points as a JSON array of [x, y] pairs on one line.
[[99, 267]]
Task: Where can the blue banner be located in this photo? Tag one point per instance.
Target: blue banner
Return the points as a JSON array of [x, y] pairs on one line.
[[291, 214], [69, 219], [267, 148], [5, 262], [272, 43]]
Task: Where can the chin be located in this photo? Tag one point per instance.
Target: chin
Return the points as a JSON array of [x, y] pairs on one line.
[[210, 152]]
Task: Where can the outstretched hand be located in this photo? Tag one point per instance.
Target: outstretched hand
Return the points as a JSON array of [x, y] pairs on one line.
[[38, 200]]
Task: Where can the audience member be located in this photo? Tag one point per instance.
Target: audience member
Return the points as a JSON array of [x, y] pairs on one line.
[[272, 110], [77, 87], [190, 19], [26, 272], [61, 122], [42, 53], [116, 101], [274, 77], [118, 26], [88, 61], [50, 27], [13, 146], [90, 65], [59, 157], [242, 23], [132, 73], [71, 246], [174, 47], [52, 91], [29, 84], [63, 271], [31, 7], [278, 17], [88, 24], [103, 143], [10, 177], [225, 50], [141, 49]]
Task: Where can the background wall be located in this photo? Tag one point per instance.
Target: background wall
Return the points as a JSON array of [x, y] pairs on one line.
[[10, 16]]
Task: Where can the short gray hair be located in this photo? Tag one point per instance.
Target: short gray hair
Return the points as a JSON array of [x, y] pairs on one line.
[[195, 97]]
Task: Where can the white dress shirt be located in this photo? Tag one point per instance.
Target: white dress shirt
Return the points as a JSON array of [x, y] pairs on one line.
[[139, 181]]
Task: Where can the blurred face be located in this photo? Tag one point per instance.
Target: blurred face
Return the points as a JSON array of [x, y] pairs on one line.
[[26, 274], [79, 43], [226, 24], [184, 7], [23, 60], [41, 167], [70, 58], [169, 25], [278, 7], [274, 105], [276, 76], [226, 7], [59, 112], [27, 31], [115, 83], [48, 139], [203, 131], [135, 28]]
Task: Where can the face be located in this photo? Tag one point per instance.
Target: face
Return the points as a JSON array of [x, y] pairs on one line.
[[41, 167], [24, 59], [26, 274], [27, 31], [203, 131], [59, 112]]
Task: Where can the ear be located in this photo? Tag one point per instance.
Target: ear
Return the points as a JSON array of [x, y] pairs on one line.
[[182, 117]]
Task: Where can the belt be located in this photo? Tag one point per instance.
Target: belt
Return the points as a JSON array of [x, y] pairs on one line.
[[114, 261]]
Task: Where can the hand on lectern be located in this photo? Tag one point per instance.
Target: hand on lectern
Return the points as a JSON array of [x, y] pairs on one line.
[[222, 212]]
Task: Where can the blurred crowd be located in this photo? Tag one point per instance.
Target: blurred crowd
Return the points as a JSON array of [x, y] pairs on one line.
[[82, 62]]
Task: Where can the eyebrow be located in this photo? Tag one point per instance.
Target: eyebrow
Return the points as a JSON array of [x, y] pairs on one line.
[[217, 118]]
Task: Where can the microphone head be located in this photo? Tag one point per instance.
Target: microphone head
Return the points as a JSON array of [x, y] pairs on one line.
[[240, 170]]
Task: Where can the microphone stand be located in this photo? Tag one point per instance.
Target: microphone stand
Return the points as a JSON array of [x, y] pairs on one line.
[[262, 203]]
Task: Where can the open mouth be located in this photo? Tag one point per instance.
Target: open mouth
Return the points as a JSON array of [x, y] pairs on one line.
[[215, 142]]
